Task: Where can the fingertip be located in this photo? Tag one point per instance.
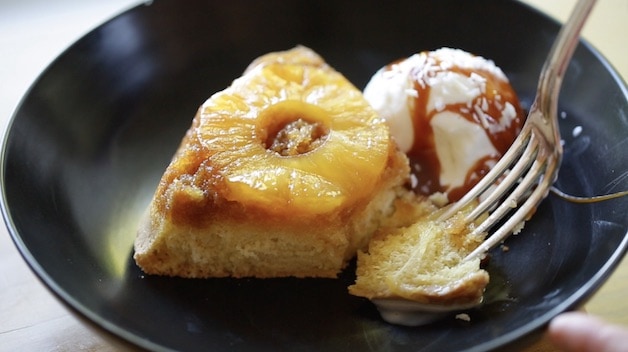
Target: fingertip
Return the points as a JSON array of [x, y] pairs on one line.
[[575, 319], [578, 331], [573, 331]]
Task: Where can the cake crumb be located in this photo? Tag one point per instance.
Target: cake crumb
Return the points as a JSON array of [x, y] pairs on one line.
[[518, 228], [439, 199], [463, 317]]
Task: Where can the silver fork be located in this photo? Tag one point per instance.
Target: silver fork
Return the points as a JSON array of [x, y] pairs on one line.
[[520, 180]]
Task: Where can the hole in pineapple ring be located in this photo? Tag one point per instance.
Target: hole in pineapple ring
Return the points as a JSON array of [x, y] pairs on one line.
[[293, 127]]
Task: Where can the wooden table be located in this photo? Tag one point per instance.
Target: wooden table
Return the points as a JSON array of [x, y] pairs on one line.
[[34, 32]]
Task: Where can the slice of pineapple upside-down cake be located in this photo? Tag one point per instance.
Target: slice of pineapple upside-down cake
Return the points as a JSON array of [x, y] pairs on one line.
[[287, 172]]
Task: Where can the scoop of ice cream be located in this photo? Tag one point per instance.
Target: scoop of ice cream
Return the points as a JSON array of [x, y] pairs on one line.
[[452, 112]]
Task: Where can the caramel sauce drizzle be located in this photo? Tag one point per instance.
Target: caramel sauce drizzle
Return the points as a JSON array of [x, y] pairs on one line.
[[423, 158]]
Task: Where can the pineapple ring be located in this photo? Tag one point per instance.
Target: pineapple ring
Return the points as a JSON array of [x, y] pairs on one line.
[[345, 166]]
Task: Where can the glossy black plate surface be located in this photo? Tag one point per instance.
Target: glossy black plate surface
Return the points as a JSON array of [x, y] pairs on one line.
[[90, 140]]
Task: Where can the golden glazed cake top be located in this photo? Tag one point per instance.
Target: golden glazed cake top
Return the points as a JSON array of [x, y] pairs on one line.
[[281, 140]]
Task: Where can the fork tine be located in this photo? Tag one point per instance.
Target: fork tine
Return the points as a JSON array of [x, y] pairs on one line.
[[511, 201], [545, 171], [519, 168], [511, 155]]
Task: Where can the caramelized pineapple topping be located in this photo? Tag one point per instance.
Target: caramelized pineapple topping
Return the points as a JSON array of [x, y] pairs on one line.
[[274, 139]]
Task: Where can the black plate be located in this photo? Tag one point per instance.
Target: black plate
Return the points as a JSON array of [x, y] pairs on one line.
[[91, 138]]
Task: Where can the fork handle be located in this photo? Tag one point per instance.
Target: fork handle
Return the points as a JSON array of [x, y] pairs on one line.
[[559, 57]]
